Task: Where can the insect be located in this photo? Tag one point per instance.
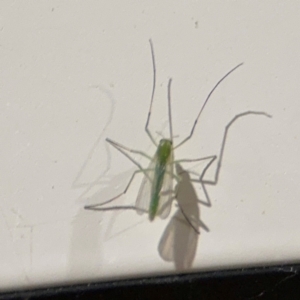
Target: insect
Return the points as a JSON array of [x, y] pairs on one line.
[[156, 192]]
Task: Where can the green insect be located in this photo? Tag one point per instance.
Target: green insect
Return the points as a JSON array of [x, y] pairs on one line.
[[156, 192]]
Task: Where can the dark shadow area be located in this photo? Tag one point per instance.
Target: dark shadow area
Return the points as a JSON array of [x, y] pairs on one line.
[[278, 282], [179, 241], [84, 248]]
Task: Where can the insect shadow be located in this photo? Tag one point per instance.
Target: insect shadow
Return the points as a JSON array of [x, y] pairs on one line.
[[79, 181], [156, 192], [179, 241]]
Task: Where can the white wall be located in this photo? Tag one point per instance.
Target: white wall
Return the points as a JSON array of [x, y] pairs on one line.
[[73, 73]]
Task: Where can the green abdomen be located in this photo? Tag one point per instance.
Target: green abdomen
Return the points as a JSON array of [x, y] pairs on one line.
[[163, 154], [156, 189]]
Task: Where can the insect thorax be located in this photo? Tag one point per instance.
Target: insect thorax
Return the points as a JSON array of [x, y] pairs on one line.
[[164, 150]]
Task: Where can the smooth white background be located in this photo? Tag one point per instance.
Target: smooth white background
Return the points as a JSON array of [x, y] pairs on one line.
[[73, 73]]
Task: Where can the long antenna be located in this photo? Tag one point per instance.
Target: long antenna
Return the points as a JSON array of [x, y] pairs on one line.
[[170, 110], [206, 100], [152, 96]]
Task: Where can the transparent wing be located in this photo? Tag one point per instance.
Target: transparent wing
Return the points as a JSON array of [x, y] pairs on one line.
[[166, 193], [144, 195]]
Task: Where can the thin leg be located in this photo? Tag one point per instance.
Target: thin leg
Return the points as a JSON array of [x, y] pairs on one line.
[[128, 156], [200, 175], [180, 170], [202, 181], [207, 203], [97, 206], [152, 95], [188, 218], [202, 108], [119, 146], [217, 173], [123, 207], [191, 219], [211, 157]]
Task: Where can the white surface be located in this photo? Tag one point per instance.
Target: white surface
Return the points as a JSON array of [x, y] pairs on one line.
[[74, 73]]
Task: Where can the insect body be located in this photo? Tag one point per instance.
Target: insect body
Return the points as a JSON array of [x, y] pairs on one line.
[[156, 192], [160, 174]]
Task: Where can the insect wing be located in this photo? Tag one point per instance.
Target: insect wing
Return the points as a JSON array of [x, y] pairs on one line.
[[166, 193], [144, 196]]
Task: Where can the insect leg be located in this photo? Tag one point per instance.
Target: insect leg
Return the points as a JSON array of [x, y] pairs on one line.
[[177, 177], [217, 173], [202, 181], [119, 146], [211, 157], [98, 206]]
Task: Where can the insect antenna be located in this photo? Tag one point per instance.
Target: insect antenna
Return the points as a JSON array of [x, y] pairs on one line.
[[206, 100], [152, 95], [170, 110]]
